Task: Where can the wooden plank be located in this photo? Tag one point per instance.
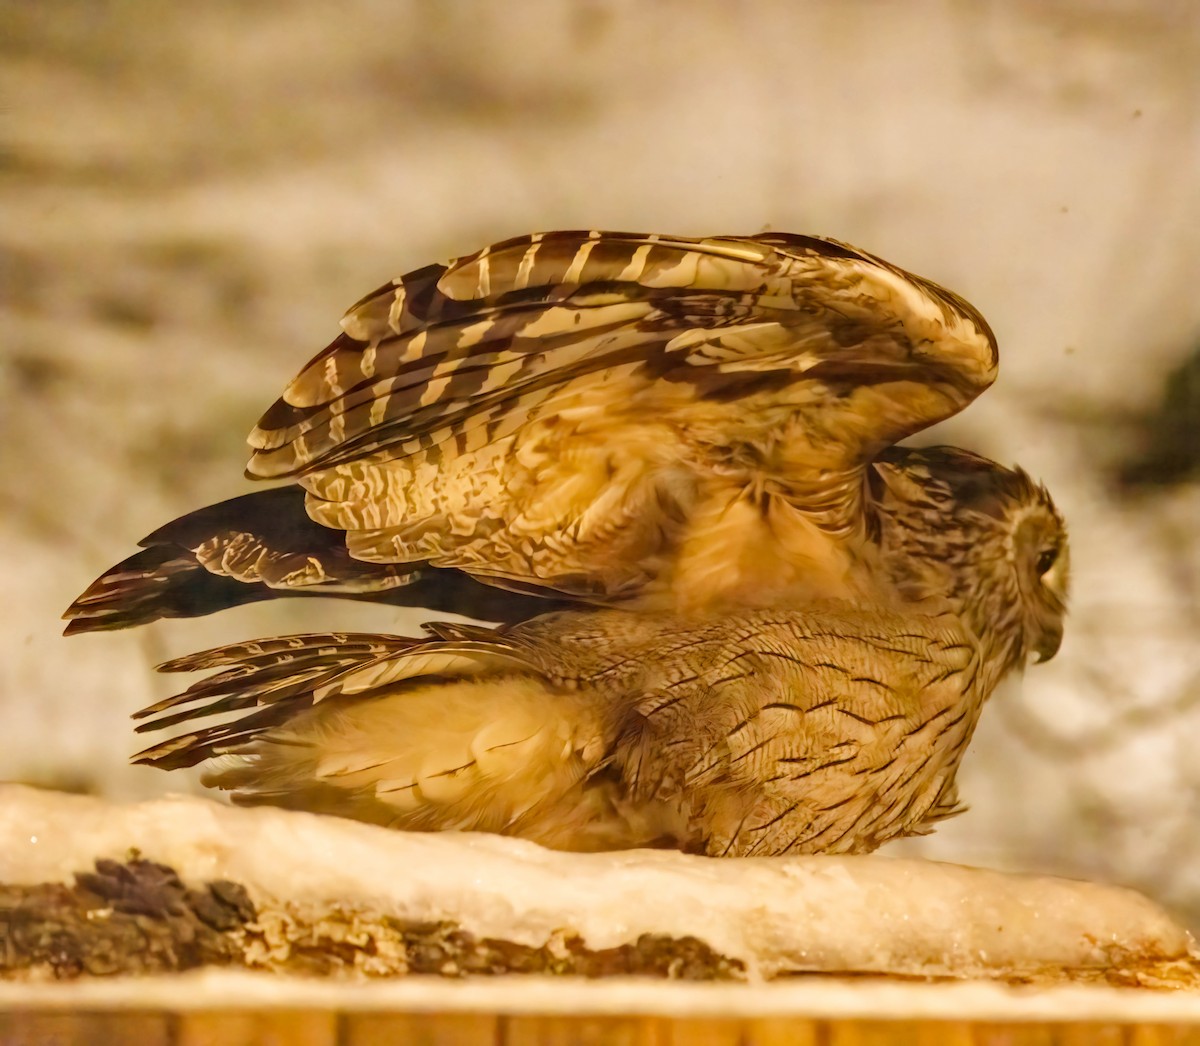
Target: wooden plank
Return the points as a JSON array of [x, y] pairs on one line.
[[419, 1029], [265, 1027], [1017, 1034], [895, 1033], [1086, 1034], [1052, 1033], [1164, 1035], [329, 1028], [698, 1031], [68, 1028], [583, 1031], [946, 1033], [779, 1031]]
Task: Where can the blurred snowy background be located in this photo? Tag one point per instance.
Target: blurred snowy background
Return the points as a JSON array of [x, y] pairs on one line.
[[192, 193]]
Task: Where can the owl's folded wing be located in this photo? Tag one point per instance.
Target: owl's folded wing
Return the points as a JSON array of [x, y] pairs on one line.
[[459, 731], [827, 731], [276, 680]]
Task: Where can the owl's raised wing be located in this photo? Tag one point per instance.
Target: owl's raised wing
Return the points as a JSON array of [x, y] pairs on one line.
[[467, 352], [591, 413]]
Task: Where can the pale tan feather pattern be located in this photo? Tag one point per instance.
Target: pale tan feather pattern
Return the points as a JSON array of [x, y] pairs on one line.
[[588, 504], [575, 410], [519, 286], [771, 732]]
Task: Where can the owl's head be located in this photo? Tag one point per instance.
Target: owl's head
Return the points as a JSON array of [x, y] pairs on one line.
[[958, 526]]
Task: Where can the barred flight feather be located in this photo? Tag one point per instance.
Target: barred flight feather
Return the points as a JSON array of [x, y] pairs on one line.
[[542, 308], [568, 414]]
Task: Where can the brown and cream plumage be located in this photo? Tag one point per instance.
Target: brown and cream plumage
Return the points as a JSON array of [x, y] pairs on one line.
[[601, 417], [829, 728]]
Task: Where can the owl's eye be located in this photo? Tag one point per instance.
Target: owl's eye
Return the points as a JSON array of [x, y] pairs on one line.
[[1046, 559]]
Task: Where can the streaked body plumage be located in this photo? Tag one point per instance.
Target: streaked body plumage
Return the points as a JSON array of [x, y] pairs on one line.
[[762, 733], [831, 727]]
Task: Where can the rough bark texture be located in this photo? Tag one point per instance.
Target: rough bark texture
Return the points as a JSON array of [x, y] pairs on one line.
[[139, 917]]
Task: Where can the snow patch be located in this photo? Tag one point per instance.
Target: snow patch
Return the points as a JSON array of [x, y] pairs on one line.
[[828, 914]]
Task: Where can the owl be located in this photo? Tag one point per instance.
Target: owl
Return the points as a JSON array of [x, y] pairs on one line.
[[603, 419], [827, 728]]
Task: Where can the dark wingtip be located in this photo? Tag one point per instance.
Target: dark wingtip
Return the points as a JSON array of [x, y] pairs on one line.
[[77, 625], [158, 582]]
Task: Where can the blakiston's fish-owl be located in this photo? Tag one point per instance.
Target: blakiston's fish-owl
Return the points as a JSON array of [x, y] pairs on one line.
[[698, 433]]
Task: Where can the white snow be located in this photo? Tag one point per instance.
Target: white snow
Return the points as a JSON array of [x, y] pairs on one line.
[[831, 914], [824, 997]]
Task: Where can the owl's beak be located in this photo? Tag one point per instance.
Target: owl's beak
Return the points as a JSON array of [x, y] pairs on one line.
[[1048, 643]]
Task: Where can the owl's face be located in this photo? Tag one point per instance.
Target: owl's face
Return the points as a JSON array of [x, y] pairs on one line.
[[1040, 559], [987, 538]]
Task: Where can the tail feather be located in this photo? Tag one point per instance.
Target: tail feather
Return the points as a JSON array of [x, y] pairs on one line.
[[192, 748], [277, 650], [268, 689], [293, 673], [279, 677], [268, 674], [467, 732]]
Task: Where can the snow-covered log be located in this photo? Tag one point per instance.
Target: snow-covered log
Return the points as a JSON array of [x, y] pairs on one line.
[[293, 891]]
